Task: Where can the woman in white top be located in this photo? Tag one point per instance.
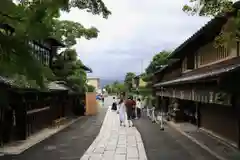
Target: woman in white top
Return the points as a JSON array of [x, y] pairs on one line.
[[122, 112], [138, 108]]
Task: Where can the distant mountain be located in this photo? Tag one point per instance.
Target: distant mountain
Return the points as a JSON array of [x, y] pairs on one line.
[[104, 82]]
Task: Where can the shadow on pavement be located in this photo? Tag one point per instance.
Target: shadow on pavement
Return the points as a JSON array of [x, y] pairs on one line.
[[68, 144]]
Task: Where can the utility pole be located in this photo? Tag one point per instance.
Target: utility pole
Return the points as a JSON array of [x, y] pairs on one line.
[[161, 116]]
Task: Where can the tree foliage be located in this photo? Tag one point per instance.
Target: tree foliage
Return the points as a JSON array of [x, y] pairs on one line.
[[158, 61], [128, 80], [68, 32], [67, 67], [90, 88], [208, 8], [115, 88], [27, 20], [218, 8]]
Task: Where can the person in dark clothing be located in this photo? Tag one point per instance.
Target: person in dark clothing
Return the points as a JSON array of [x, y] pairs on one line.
[[134, 109], [129, 103], [102, 99], [114, 105]]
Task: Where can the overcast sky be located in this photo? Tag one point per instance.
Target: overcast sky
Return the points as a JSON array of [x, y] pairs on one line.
[[135, 32]]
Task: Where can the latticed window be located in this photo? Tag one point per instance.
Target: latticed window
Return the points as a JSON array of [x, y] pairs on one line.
[[210, 55], [41, 53], [222, 52]]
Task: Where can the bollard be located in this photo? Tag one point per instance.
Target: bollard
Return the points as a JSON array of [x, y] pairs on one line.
[[153, 115], [161, 122], [148, 115]]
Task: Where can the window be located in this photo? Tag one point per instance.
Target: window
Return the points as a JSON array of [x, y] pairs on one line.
[[213, 54], [40, 53], [222, 52], [188, 63], [184, 65]]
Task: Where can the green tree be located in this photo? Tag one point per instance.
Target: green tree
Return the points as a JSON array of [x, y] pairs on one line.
[[118, 87], [68, 32], [121, 88], [90, 88], [218, 8], [208, 8], [115, 88], [67, 67], [38, 20], [128, 81], [158, 61], [108, 88]]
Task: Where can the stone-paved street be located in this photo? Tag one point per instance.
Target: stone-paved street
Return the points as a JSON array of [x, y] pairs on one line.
[[116, 142], [68, 144], [168, 144]]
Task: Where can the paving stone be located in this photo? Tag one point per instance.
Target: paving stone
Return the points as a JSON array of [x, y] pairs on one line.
[[115, 142], [110, 147], [121, 150], [132, 152], [122, 146], [101, 145], [95, 157], [132, 145], [99, 150], [108, 154], [119, 157], [122, 143]]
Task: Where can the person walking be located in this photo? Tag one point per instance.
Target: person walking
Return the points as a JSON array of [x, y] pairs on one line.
[[138, 108], [114, 104], [102, 99], [122, 112], [129, 103]]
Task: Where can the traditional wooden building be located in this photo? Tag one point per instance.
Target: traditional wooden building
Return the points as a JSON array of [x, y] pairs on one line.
[[201, 85], [23, 111]]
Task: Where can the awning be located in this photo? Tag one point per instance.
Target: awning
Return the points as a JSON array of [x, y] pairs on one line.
[[201, 76]]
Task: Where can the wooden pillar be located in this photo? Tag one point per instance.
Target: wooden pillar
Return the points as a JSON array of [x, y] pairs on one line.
[[236, 106], [238, 48], [21, 121], [158, 102], [238, 123], [198, 115]]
